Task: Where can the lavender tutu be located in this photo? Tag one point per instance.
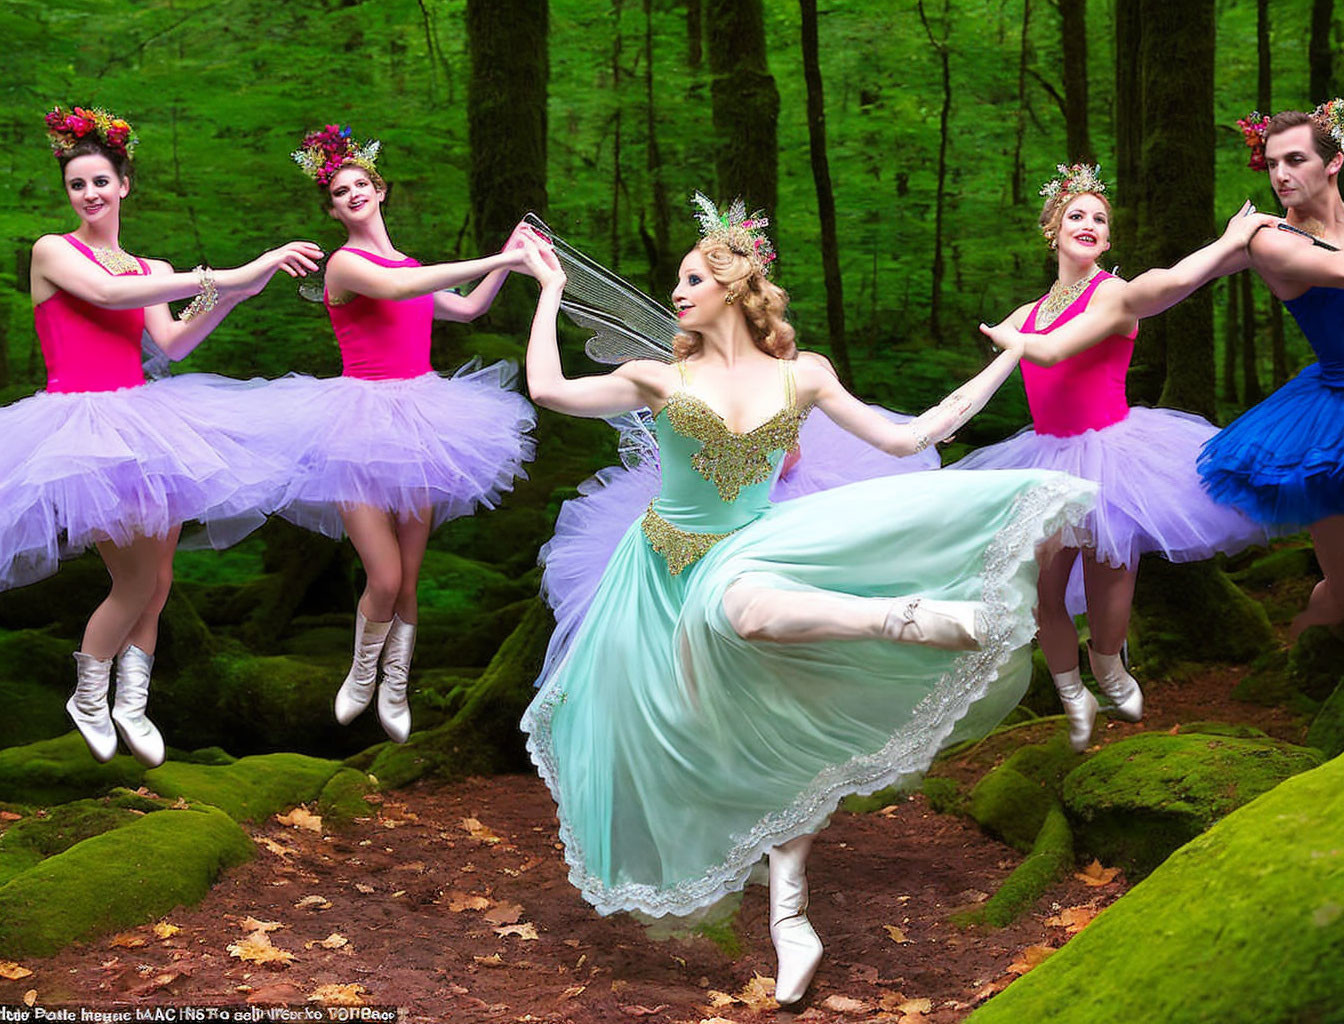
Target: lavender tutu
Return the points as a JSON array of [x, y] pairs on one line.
[[590, 526], [1150, 500], [429, 443], [82, 467]]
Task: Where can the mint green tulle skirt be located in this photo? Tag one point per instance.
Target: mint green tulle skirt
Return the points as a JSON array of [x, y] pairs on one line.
[[678, 753]]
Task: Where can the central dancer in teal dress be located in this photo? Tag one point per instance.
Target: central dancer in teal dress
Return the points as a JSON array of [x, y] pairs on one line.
[[744, 665]]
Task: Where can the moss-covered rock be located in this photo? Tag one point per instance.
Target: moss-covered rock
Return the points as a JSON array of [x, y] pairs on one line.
[[118, 879], [1244, 923], [1005, 803], [342, 798], [59, 770], [36, 676], [1267, 682], [35, 837], [1287, 563], [1049, 859], [1316, 662], [1192, 612], [62, 602], [1137, 800], [250, 789], [1327, 728]]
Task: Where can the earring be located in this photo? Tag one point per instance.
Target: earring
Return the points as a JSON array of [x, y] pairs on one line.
[[1054, 243], [728, 299]]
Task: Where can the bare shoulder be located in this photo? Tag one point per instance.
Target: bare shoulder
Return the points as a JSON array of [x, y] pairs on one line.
[[1109, 291], [158, 266], [50, 246], [648, 373], [1269, 245], [812, 362]]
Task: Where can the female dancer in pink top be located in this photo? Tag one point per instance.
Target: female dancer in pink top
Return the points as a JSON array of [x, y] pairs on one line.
[[1078, 340], [390, 449], [102, 458]]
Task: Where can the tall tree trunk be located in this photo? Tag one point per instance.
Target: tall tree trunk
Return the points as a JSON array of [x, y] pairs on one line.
[[1231, 335], [744, 102], [506, 125], [821, 176], [1073, 30], [1128, 130], [1265, 103], [1250, 378], [1020, 127], [1177, 205], [936, 288], [1320, 57], [695, 33], [616, 183], [655, 245]]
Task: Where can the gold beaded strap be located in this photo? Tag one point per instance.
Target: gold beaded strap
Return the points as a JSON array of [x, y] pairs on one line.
[[679, 548]]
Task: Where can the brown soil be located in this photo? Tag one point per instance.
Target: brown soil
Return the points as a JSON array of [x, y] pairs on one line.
[[398, 887]]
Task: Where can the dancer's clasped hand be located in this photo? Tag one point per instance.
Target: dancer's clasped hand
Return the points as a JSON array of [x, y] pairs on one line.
[[1243, 224], [542, 262], [297, 259]]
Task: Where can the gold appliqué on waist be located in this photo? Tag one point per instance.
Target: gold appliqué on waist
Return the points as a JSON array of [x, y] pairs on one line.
[[679, 548], [728, 460]]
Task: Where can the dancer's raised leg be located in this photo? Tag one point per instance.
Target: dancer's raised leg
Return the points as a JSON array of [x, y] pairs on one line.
[[1110, 595], [373, 534]]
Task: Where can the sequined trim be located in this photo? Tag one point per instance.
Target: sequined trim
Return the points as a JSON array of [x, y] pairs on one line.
[[679, 548], [115, 261]]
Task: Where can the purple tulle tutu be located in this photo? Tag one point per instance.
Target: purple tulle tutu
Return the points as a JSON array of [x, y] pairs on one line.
[[590, 526], [433, 443], [1151, 499], [77, 468]]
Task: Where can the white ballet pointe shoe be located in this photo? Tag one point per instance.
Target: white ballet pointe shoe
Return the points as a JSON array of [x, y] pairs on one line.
[[393, 711], [87, 706], [947, 625], [1117, 684], [1080, 707], [139, 734], [797, 948], [357, 690]]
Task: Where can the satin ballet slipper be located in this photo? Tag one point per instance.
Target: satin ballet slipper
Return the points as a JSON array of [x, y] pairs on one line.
[[1117, 684], [87, 706], [139, 734], [357, 689], [1080, 707], [797, 948], [393, 711]]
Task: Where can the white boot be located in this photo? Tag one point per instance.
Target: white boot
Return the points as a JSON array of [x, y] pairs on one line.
[[1080, 707], [1117, 684], [797, 948], [128, 710], [393, 711], [357, 690], [87, 706], [948, 625]]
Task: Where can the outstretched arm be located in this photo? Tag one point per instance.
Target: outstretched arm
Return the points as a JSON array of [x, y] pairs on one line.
[[348, 274], [465, 308], [631, 386], [1282, 256]]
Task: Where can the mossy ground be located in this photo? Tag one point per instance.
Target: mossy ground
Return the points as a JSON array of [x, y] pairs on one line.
[[250, 789]]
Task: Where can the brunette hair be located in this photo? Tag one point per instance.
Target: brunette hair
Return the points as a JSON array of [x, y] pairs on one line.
[[91, 146], [763, 303], [1326, 146], [378, 181]]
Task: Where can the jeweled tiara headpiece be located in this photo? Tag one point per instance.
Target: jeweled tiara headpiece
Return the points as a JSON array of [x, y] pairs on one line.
[[326, 150], [1070, 180], [742, 233], [1253, 127], [65, 129], [1330, 116]]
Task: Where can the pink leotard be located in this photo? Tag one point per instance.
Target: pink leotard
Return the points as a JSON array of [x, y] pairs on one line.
[[1085, 391], [87, 347], [383, 339]]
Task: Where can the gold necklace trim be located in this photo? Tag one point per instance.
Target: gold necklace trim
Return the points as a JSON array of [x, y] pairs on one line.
[[679, 548], [1059, 298], [115, 261]]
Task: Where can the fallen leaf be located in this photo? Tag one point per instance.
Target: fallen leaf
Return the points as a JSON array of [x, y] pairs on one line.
[[891, 1001], [1096, 875], [9, 816], [30, 997], [460, 901], [282, 993], [715, 1020], [493, 960], [572, 991], [333, 941], [1074, 919], [155, 983], [128, 940], [845, 1004], [643, 1011], [983, 993], [479, 831], [301, 817], [916, 1006], [504, 913], [12, 971], [758, 994], [279, 849], [526, 930], [896, 934], [257, 948], [1032, 956], [318, 902], [251, 924], [165, 930], [717, 999], [365, 889], [339, 995]]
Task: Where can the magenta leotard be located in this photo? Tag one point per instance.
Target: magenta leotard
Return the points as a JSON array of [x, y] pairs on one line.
[[1085, 391], [87, 347], [383, 339]]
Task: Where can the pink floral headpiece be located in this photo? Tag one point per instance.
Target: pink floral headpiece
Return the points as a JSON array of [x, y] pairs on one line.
[[742, 234], [1330, 116], [1070, 180], [1253, 127], [65, 129], [326, 150]]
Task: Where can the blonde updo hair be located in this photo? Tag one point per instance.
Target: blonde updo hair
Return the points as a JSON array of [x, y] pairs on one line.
[[763, 303], [1052, 213]]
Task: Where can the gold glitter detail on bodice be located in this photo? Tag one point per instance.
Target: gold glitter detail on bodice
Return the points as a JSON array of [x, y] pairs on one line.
[[679, 548], [115, 261], [727, 459]]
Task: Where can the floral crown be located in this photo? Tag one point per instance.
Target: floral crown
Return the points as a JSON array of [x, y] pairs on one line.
[[1330, 116], [1070, 180], [1253, 127], [325, 151], [66, 129], [742, 234]]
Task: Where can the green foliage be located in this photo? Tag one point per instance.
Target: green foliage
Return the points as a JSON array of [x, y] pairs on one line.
[[1244, 923], [1327, 728], [250, 789], [58, 770], [1009, 805], [32, 839], [118, 879], [342, 798], [1137, 800]]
